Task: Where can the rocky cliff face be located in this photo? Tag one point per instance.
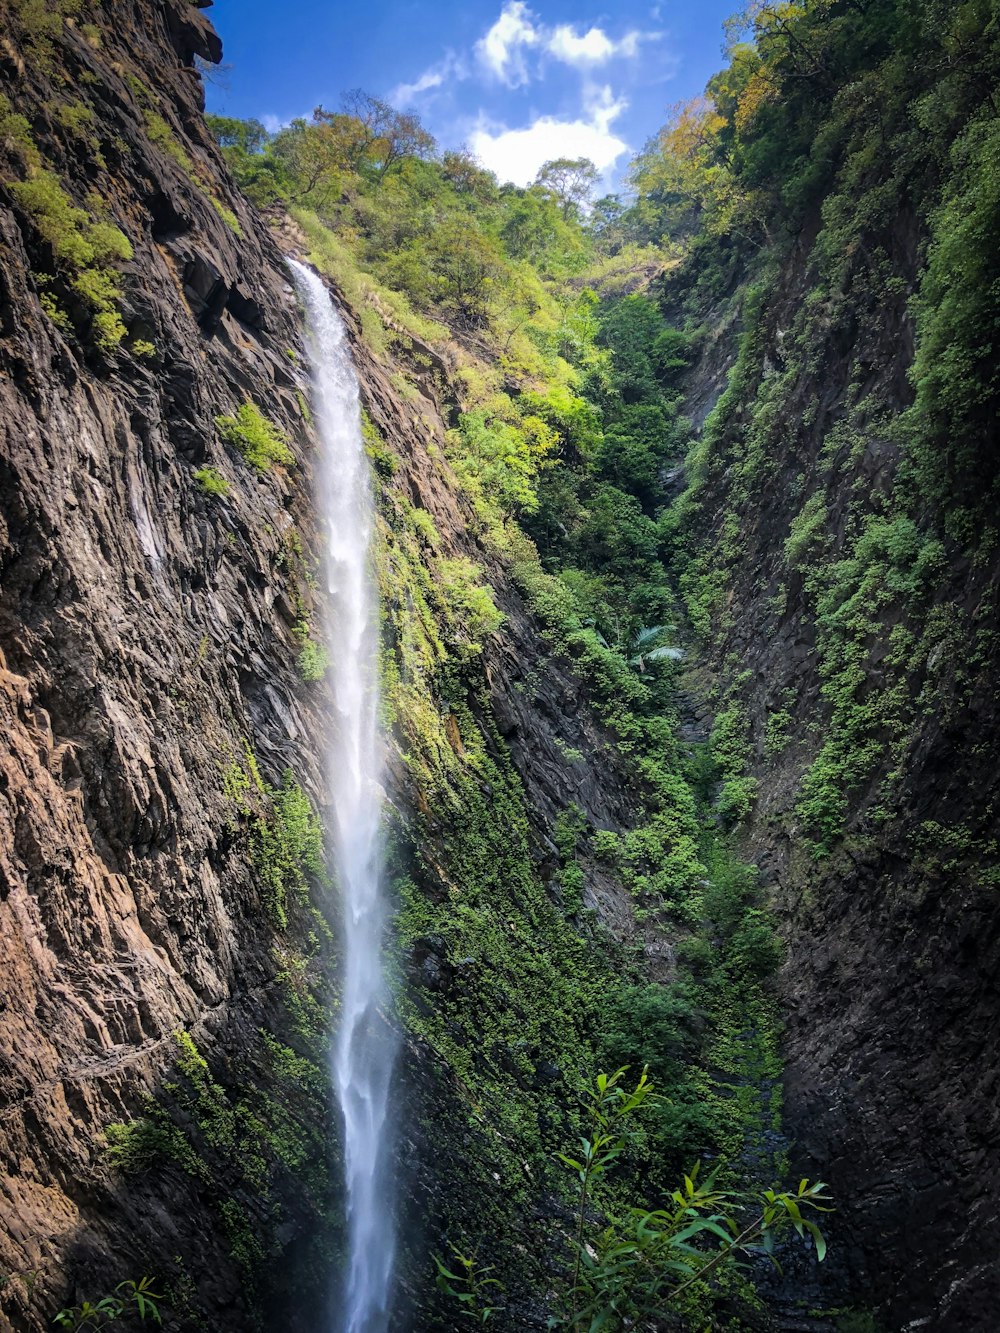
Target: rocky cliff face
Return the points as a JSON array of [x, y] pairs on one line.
[[152, 582], [145, 633], [845, 671]]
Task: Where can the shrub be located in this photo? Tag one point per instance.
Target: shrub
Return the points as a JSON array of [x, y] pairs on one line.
[[314, 660], [85, 251], [136, 1145], [469, 600], [806, 532], [211, 482], [258, 441]]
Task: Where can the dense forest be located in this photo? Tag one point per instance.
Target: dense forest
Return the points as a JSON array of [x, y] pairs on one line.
[[686, 552]]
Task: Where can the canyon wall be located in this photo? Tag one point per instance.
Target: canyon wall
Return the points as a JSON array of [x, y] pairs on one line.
[[167, 980]]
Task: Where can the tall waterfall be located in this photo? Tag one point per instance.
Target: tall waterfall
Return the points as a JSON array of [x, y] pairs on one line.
[[364, 1048]]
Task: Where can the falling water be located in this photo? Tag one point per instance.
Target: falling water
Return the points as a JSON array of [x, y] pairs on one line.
[[365, 1046]]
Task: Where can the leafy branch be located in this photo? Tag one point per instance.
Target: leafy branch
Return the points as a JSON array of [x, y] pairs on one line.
[[653, 1258], [127, 1298]]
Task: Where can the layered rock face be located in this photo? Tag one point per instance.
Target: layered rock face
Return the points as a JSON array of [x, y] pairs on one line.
[[893, 927], [152, 702], [145, 634]]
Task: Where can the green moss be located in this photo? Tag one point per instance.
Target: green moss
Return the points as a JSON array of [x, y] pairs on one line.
[[40, 25], [227, 215], [85, 252], [258, 441], [287, 848], [163, 136], [77, 119], [730, 749], [136, 1146]]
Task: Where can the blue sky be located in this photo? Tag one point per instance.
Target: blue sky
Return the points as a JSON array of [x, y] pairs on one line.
[[517, 81]]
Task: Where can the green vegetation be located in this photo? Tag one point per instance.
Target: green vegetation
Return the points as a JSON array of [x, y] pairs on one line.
[[128, 1298], [858, 124], [871, 129], [85, 255], [39, 25], [211, 481], [251, 1140], [258, 441], [285, 835], [559, 445], [642, 1263]]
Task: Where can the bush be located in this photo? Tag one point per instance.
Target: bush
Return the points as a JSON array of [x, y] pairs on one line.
[[651, 1025], [86, 252], [469, 600], [258, 441], [314, 660], [211, 482]]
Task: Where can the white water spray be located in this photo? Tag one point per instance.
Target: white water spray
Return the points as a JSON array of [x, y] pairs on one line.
[[365, 1044]]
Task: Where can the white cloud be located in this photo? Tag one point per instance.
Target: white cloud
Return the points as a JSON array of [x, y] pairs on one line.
[[404, 93], [517, 155], [592, 47], [502, 49], [603, 107], [451, 67]]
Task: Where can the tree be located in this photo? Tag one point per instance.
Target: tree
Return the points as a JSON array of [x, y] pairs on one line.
[[385, 135], [315, 157], [680, 171], [464, 173], [249, 136], [571, 180], [468, 265]]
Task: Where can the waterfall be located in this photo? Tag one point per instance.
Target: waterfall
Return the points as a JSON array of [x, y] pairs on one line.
[[364, 1048]]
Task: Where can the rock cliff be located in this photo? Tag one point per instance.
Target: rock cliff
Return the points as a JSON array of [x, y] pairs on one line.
[[862, 688], [158, 975]]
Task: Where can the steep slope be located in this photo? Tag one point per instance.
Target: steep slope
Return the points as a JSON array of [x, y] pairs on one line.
[[843, 574], [146, 634], [166, 980], [566, 895]]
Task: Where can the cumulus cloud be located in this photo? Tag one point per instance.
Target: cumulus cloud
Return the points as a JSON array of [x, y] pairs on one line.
[[592, 47], [517, 154], [503, 49]]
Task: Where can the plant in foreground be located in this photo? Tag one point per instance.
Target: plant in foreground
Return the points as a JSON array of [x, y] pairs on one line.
[[651, 1259], [471, 1285], [648, 1261], [127, 1298]]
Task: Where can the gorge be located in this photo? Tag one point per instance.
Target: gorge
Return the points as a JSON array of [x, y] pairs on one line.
[[459, 640]]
